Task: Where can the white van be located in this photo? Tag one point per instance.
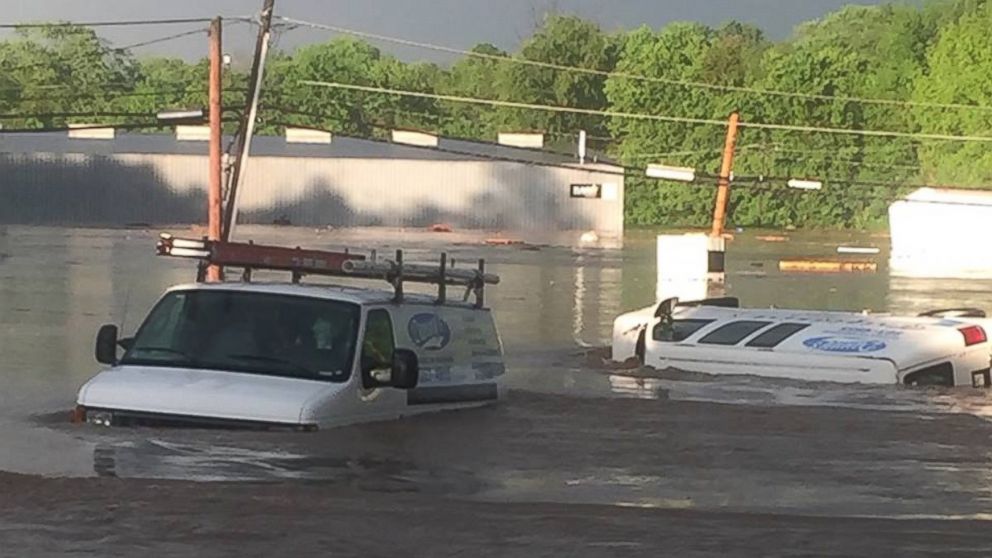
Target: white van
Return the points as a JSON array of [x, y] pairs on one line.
[[940, 348], [290, 355]]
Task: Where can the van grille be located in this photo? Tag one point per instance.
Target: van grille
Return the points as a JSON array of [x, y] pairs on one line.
[[142, 418]]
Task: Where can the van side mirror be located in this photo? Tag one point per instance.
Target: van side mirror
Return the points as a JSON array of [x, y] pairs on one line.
[[106, 345], [406, 369], [666, 307]]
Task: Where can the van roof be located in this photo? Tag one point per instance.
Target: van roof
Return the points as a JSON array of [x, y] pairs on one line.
[[357, 295], [826, 318], [903, 340]]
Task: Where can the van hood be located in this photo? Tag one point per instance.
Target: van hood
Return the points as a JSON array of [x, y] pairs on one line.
[[206, 393]]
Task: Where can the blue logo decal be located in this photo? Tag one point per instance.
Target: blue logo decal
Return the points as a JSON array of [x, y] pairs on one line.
[[429, 331], [844, 344]]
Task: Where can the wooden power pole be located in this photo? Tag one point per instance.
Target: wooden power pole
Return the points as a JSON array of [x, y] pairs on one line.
[[247, 128], [214, 196], [726, 170]]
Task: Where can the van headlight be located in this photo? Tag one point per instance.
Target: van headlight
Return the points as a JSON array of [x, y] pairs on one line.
[[100, 418]]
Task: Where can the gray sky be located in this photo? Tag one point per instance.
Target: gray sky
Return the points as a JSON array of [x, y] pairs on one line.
[[458, 23]]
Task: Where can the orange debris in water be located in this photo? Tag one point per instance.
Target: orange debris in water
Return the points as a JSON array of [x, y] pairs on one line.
[[827, 266]]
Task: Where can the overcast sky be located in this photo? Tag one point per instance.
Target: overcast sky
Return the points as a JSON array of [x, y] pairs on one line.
[[458, 23]]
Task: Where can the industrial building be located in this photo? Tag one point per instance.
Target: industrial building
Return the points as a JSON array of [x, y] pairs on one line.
[[102, 178]]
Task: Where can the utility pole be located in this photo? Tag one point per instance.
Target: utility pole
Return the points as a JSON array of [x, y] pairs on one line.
[[247, 128], [726, 170], [214, 201]]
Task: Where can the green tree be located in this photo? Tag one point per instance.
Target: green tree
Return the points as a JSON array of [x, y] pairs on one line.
[[566, 41], [350, 112], [960, 72], [681, 52], [61, 69], [471, 77]]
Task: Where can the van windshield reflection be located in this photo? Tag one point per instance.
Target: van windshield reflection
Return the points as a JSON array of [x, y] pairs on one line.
[[258, 333]]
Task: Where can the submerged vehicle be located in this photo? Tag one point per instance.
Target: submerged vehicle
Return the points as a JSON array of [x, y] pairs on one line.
[[261, 355], [939, 348]]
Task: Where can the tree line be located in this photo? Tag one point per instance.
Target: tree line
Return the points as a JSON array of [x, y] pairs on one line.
[[926, 61]]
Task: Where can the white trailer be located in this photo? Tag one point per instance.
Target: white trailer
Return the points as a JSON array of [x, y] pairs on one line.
[[937, 233]]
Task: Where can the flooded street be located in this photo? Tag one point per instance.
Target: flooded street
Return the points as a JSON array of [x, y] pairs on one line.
[[578, 461]]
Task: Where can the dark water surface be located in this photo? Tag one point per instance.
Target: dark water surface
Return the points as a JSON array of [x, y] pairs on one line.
[[577, 461]]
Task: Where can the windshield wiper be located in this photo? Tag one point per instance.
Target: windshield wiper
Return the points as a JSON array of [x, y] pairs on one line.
[[273, 360], [183, 354]]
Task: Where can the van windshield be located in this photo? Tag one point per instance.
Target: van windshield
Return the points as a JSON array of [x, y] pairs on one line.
[[258, 333]]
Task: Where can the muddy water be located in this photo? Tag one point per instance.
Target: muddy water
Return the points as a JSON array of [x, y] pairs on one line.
[[578, 461]]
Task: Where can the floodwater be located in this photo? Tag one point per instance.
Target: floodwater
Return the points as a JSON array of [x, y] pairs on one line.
[[578, 461]]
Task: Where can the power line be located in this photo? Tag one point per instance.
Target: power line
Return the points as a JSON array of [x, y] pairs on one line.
[[426, 116], [503, 158], [51, 129], [117, 126], [13, 115], [641, 116], [631, 76], [764, 180], [161, 40], [382, 126], [121, 49], [201, 30], [115, 94], [750, 147], [511, 104], [804, 156], [702, 151], [123, 23]]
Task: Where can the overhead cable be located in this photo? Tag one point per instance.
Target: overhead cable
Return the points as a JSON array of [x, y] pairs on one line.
[[632, 76], [642, 116], [120, 23]]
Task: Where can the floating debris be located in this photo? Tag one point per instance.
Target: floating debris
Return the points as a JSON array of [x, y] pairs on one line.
[[858, 250], [827, 266], [503, 242]]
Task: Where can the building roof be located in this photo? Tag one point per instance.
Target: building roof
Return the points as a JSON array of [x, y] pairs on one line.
[[277, 146], [950, 196]]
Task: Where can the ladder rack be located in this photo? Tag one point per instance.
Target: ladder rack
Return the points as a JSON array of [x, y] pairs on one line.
[[298, 261]]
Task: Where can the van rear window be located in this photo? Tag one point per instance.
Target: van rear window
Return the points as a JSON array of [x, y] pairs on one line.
[[774, 336], [732, 333], [680, 330]]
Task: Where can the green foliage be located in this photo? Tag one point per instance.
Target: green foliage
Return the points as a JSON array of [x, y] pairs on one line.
[[680, 52], [960, 72], [567, 41], [934, 53], [471, 77]]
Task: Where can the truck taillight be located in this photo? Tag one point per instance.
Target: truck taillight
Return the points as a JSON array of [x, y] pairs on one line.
[[973, 335]]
